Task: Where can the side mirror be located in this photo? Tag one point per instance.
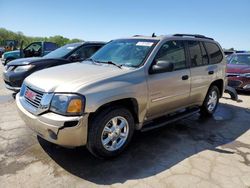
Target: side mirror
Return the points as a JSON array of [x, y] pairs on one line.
[[162, 66]]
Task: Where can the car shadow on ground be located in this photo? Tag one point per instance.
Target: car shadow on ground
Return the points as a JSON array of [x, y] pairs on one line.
[[152, 152]]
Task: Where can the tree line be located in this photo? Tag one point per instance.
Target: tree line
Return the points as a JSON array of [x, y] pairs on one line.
[[19, 36]]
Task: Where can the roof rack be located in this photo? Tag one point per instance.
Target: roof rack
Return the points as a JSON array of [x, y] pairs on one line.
[[195, 36], [153, 35]]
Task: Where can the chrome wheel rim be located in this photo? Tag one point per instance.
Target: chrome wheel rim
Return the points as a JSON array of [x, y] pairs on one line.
[[212, 101], [115, 133]]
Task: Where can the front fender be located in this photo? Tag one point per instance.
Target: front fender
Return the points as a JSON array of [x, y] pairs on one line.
[[132, 86]]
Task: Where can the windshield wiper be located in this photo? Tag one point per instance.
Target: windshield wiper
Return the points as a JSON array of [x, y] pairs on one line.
[[112, 63], [104, 62]]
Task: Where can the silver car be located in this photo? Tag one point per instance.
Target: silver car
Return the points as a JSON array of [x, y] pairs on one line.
[[130, 84]]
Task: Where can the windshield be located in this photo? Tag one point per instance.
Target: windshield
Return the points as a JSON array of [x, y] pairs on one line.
[[62, 51], [127, 52], [240, 60]]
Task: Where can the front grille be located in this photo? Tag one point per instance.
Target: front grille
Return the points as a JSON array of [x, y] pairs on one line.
[[33, 101], [234, 83]]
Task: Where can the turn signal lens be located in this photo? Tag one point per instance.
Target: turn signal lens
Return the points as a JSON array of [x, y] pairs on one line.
[[75, 106]]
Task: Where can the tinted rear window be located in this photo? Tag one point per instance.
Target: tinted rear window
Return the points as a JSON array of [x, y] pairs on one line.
[[195, 53], [214, 52]]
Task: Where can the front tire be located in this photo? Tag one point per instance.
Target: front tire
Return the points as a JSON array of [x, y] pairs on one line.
[[211, 101], [109, 132]]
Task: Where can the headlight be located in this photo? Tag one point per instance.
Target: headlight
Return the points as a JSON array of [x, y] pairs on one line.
[[23, 68], [67, 104], [9, 68]]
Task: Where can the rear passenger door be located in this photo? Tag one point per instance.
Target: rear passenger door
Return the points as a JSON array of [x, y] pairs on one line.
[[201, 71], [169, 91]]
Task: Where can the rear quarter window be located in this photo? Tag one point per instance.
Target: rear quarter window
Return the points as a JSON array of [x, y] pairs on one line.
[[214, 52]]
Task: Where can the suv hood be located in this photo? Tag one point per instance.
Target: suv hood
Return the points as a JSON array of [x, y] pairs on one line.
[[241, 69], [70, 77], [24, 61]]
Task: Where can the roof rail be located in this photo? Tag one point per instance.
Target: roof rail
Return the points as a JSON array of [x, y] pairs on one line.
[[138, 35], [153, 35], [194, 35]]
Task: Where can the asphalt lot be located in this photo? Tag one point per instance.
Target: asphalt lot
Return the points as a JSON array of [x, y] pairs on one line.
[[194, 152]]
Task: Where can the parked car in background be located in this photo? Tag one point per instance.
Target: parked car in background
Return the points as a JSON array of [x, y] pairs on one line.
[[238, 71], [228, 52], [17, 70], [35, 49], [8, 45], [133, 83], [2, 50]]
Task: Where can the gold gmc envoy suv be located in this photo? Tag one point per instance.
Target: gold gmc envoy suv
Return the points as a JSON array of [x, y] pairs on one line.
[[136, 83]]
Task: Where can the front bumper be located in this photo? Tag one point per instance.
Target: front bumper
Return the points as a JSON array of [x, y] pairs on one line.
[[13, 81], [52, 127], [15, 89]]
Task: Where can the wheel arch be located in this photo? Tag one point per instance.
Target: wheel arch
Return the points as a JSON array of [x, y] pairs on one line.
[[220, 84], [129, 103]]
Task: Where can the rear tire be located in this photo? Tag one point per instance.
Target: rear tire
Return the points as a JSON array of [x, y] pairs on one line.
[[211, 101], [109, 132]]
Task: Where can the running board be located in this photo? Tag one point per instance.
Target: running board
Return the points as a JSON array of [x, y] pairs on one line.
[[165, 120]]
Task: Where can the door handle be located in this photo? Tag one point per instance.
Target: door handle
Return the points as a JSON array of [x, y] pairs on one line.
[[210, 72], [185, 77]]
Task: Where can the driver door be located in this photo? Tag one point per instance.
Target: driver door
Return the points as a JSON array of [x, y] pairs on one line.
[[169, 91], [33, 50]]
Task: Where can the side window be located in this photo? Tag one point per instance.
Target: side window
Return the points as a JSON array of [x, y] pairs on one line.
[[49, 47], [195, 53], [34, 46], [33, 50], [84, 52], [174, 52], [91, 50], [214, 52]]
